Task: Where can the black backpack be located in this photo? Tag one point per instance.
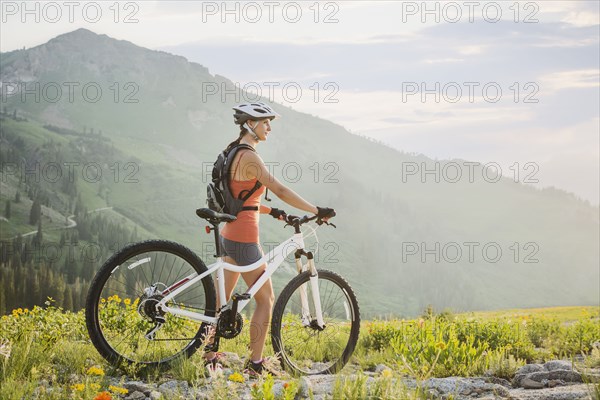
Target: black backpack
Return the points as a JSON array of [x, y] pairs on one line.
[[219, 197]]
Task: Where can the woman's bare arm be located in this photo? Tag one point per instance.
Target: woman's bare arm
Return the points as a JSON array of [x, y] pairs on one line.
[[254, 167]]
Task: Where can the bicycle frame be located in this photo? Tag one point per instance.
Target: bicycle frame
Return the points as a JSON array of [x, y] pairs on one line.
[[273, 259]]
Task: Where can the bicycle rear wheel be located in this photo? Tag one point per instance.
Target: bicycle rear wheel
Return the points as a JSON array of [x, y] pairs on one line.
[[303, 347], [121, 310]]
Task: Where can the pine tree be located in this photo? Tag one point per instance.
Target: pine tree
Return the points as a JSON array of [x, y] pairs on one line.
[[7, 209], [35, 212], [2, 298], [39, 236], [36, 291], [58, 291], [68, 299], [18, 197]]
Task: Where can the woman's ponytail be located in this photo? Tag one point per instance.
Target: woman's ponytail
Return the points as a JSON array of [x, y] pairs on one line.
[[237, 141]]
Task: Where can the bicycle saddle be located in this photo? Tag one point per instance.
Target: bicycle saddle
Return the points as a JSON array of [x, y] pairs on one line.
[[213, 216]]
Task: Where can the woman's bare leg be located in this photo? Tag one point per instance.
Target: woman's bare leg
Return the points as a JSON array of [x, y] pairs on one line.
[[259, 324], [231, 279]]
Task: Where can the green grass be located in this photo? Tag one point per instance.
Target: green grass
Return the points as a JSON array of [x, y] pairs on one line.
[[51, 345], [562, 314]]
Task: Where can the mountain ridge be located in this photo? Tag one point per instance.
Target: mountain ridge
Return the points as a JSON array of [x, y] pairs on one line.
[[379, 213]]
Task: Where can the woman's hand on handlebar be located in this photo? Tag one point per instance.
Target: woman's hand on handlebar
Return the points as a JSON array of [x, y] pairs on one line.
[[277, 213], [325, 213]]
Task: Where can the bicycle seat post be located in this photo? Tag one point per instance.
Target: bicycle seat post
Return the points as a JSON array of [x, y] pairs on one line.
[[215, 228]]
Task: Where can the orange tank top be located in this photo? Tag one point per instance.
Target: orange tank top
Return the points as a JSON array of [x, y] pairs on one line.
[[245, 228]]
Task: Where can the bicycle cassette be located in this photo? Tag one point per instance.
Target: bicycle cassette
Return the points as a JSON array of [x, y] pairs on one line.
[[228, 327]]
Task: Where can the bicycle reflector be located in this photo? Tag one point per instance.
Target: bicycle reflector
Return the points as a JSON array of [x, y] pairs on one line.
[[207, 229]]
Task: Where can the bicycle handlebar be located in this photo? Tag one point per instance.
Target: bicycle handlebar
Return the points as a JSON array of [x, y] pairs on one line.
[[295, 221]]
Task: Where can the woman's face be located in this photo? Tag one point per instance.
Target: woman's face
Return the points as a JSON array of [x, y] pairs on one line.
[[262, 128]]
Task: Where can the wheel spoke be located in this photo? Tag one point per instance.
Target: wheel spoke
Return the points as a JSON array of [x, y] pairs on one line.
[[310, 349], [124, 309]]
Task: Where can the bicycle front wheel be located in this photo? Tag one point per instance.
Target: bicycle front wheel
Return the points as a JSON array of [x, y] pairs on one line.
[[122, 317], [300, 344]]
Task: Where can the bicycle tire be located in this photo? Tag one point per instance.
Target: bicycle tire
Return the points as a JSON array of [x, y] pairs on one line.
[[117, 326], [306, 350]]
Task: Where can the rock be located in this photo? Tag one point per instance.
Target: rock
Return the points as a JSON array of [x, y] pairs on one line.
[[528, 383], [567, 376], [154, 395], [534, 376], [555, 382], [570, 392], [278, 389], [379, 368], [233, 361], [136, 396], [590, 377], [137, 386], [463, 386], [558, 365], [529, 368], [305, 387], [172, 388], [498, 381], [202, 395], [322, 384]]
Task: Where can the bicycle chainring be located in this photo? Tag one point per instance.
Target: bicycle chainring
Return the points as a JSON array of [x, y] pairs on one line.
[[228, 327]]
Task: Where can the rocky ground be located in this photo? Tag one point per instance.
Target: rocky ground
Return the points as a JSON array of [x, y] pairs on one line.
[[554, 380]]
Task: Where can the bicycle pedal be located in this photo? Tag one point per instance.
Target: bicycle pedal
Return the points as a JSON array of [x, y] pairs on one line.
[[238, 296]]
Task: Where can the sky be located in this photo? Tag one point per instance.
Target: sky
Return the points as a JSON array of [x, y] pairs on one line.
[[510, 82]]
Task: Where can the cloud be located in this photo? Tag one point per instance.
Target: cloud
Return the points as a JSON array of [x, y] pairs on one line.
[[443, 60], [470, 50], [583, 78]]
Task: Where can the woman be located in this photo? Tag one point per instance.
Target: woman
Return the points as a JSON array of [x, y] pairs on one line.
[[240, 238]]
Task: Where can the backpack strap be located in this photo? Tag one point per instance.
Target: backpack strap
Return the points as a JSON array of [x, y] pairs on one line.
[[257, 185], [238, 164]]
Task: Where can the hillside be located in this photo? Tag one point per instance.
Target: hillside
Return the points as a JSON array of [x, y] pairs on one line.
[[402, 243]]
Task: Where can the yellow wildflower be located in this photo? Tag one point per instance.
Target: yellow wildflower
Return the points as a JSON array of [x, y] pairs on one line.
[[95, 386], [236, 377], [386, 373], [95, 371], [127, 302], [118, 390], [78, 387]]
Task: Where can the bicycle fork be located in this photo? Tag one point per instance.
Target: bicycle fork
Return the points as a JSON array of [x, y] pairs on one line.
[[314, 285]]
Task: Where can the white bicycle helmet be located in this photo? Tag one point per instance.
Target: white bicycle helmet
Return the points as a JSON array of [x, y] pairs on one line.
[[253, 111]]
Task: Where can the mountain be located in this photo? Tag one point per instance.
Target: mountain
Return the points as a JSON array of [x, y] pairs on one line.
[[403, 240]]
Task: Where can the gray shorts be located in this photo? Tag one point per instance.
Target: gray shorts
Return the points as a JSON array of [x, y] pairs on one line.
[[242, 253]]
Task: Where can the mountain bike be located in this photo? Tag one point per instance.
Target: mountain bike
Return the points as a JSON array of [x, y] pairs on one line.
[[154, 302]]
